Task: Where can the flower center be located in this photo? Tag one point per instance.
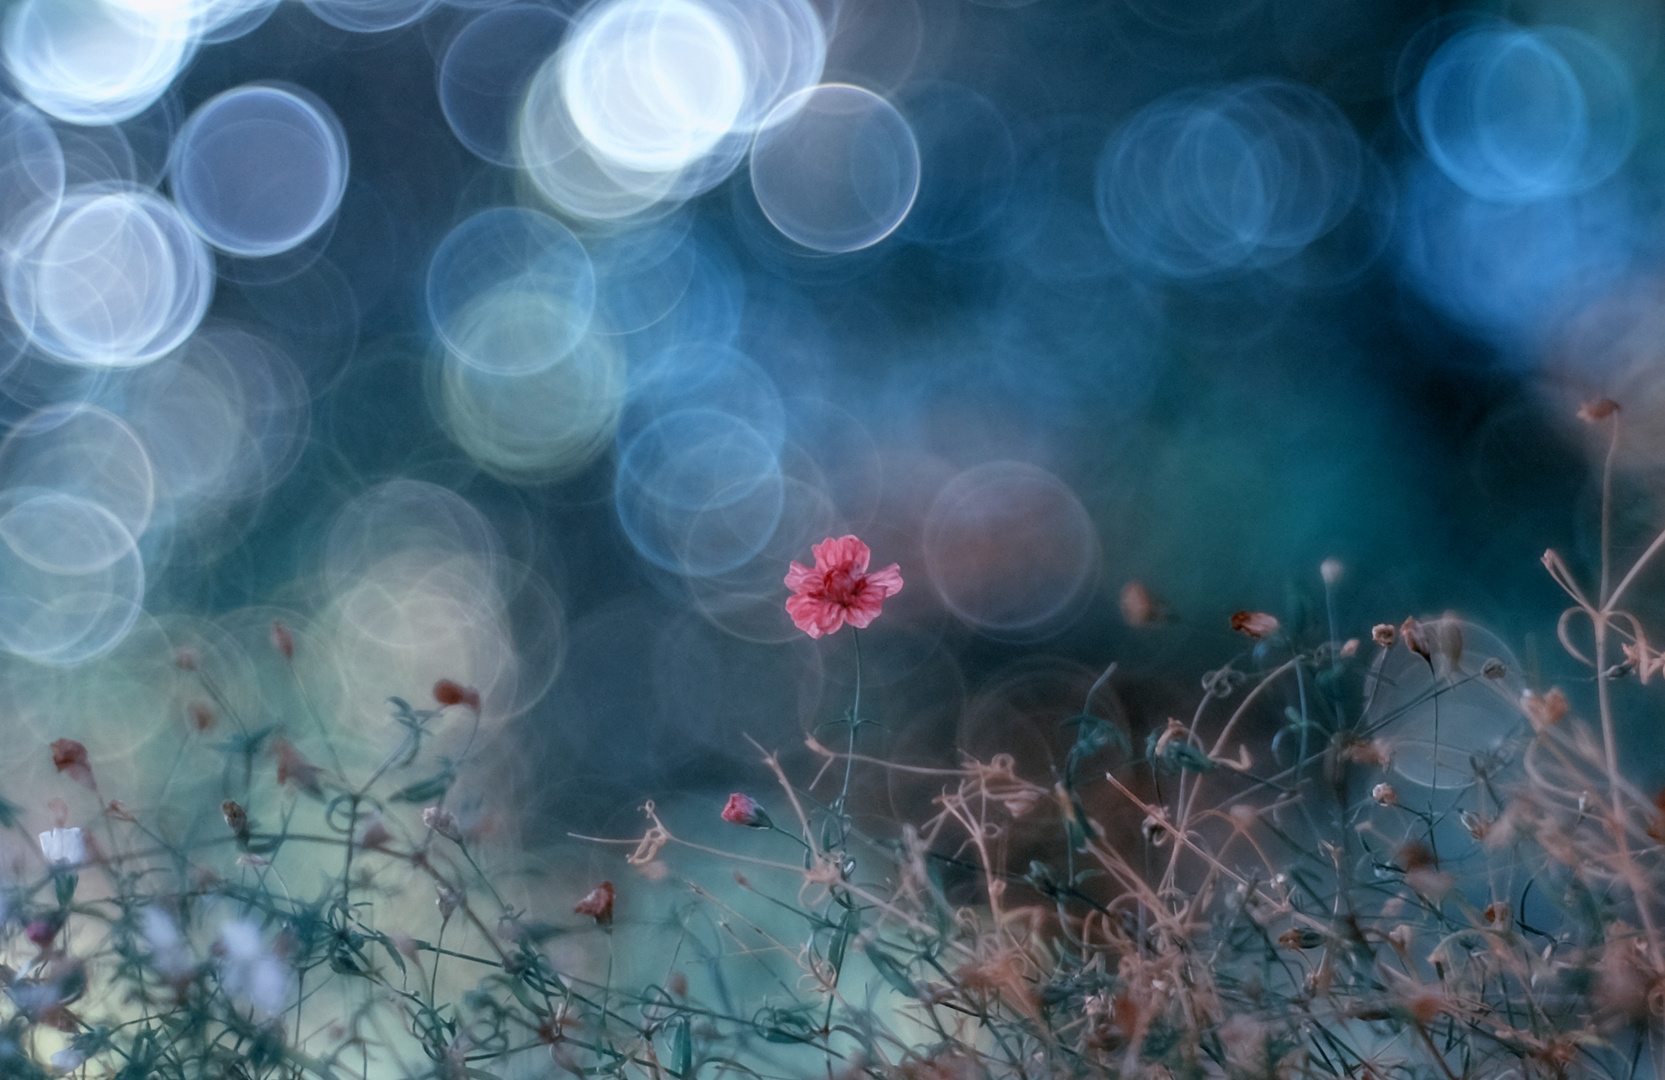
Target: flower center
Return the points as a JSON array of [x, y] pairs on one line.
[[840, 586]]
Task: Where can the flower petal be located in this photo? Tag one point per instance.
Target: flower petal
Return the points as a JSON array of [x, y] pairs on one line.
[[845, 553], [798, 576], [806, 613], [889, 580]]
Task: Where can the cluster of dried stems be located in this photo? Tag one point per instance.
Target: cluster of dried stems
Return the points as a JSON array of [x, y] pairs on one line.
[[1282, 910]]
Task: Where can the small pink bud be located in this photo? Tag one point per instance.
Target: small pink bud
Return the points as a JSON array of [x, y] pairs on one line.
[[185, 659], [745, 810], [449, 692], [375, 834], [1256, 624], [200, 715], [282, 640]]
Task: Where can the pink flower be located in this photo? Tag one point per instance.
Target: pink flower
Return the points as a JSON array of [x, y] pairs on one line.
[[744, 810], [839, 589]]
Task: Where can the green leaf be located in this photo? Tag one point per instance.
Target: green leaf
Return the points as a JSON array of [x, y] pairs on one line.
[[841, 938], [398, 958], [426, 790], [683, 1054], [893, 972]]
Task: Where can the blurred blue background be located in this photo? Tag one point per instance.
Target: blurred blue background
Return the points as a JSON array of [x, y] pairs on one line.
[[524, 344]]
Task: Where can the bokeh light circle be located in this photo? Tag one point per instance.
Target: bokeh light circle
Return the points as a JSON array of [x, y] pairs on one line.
[[1517, 115], [652, 85], [94, 61], [259, 169], [486, 70], [511, 291], [117, 278], [835, 168], [1009, 547], [71, 581]]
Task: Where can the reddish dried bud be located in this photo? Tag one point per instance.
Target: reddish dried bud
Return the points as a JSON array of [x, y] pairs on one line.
[[1415, 639], [282, 640], [236, 818], [447, 692], [118, 810], [1138, 605], [375, 833], [71, 757], [293, 767], [1545, 711], [598, 902], [1385, 794], [1383, 634], [745, 810], [1256, 624], [1600, 409], [200, 715]]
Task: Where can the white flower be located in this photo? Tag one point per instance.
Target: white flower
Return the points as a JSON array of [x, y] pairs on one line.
[[249, 972], [168, 950], [63, 847], [68, 1060]]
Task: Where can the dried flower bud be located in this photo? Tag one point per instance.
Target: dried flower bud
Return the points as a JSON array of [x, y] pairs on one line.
[[443, 822], [1382, 634], [1544, 711], [745, 810], [1256, 624], [1476, 825], [1411, 631], [1139, 607], [1497, 913], [71, 757], [447, 898], [598, 902], [1494, 668], [1331, 571], [236, 819], [448, 692], [200, 715], [375, 833], [293, 767], [677, 984], [118, 810], [186, 659], [1350, 647], [1300, 938], [405, 945], [282, 640], [1597, 410], [1384, 794]]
